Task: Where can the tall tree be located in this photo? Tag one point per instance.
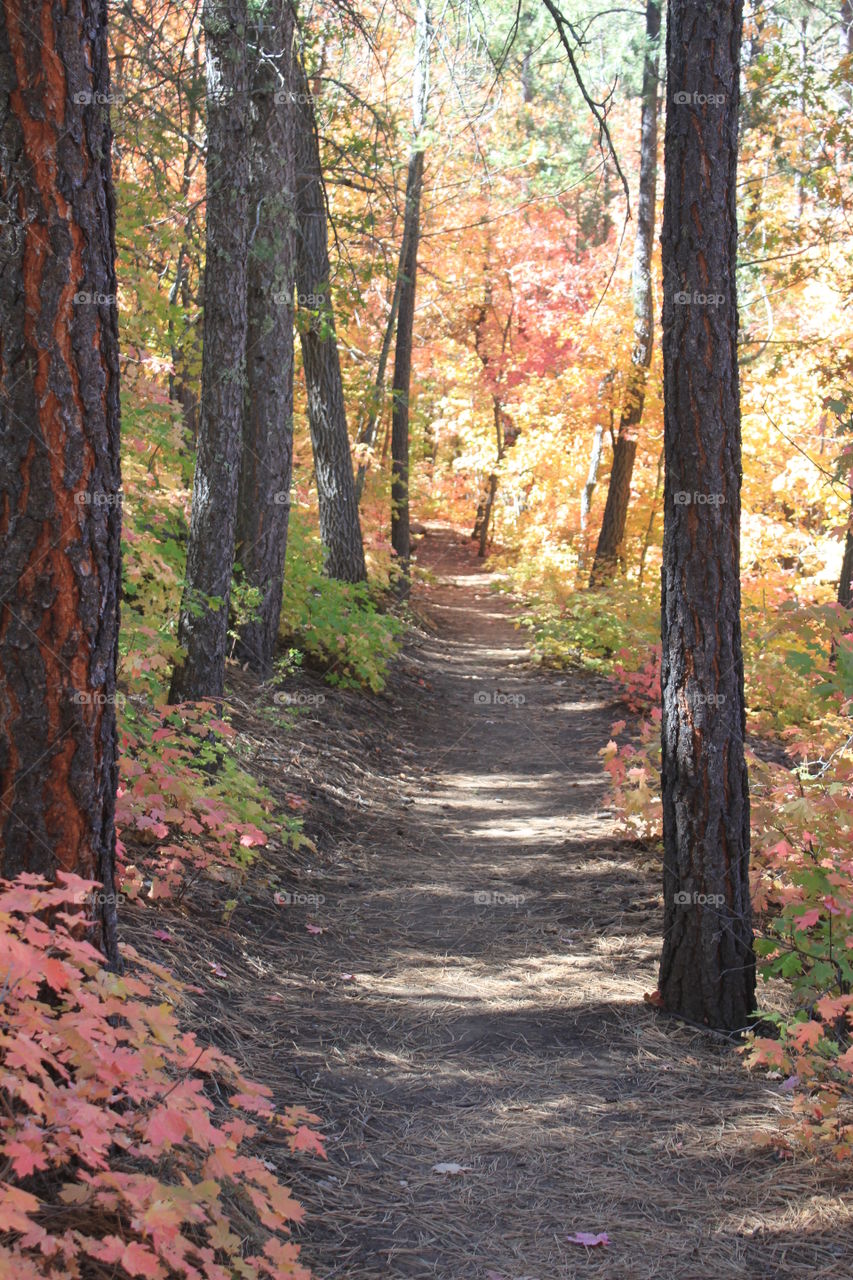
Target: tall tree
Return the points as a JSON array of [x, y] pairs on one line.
[[707, 969], [505, 433], [60, 480], [203, 623], [604, 409], [407, 275], [612, 535], [373, 406], [265, 474], [339, 524]]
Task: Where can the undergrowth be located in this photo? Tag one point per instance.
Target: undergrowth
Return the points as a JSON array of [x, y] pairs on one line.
[[798, 661]]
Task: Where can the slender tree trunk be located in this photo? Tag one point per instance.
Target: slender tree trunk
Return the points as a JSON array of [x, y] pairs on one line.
[[401, 387], [647, 539], [845, 581], [610, 542], [267, 462], [488, 508], [60, 501], [589, 489], [707, 966], [492, 490], [367, 434], [605, 386], [203, 622], [339, 526], [477, 531], [400, 538], [183, 387]]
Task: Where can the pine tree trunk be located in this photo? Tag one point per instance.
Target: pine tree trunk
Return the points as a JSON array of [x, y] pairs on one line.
[[401, 386], [339, 525], [183, 387], [203, 622], [400, 535], [707, 966], [609, 550], [267, 462], [60, 502]]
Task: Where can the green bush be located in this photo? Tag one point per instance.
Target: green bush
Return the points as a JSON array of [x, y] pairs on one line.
[[592, 627], [338, 626]]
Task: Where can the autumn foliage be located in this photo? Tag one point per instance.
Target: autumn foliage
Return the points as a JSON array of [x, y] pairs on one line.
[[126, 1143]]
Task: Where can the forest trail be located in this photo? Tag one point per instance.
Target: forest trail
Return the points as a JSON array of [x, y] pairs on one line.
[[470, 988]]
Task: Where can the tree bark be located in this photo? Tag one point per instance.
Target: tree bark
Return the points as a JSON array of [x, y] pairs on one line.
[[401, 386], [400, 536], [845, 581], [367, 434], [339, 525], [491, 492], [183, 386], [267, 462], [605, 388], [60, 500], [203, 622], [609, 550], [707, 971]]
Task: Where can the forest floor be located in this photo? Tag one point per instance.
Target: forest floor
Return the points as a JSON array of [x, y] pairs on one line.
[[471, 994]]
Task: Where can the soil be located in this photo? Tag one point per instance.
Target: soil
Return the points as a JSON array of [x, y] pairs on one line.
[[475, 997]]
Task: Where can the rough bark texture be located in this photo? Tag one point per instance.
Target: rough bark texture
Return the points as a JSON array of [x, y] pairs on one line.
[[401, 386], [407, 280], [203, 623], [707, 966], [60, 513], [265, 475], [610, 541], [183, 385], [339, 525]]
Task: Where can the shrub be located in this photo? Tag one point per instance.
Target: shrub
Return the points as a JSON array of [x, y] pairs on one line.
[[337, 625], [117, 1160]]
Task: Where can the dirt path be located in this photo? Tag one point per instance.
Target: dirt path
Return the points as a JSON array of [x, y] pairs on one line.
[[476, 995]]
